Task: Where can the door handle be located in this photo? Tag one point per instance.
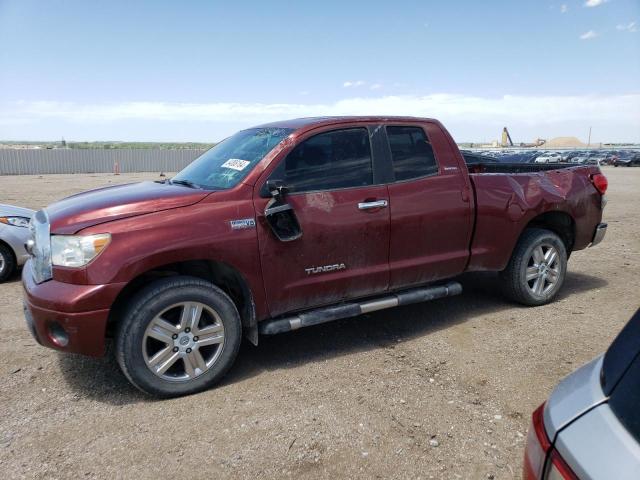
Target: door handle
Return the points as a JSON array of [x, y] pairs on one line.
[[372, 205]]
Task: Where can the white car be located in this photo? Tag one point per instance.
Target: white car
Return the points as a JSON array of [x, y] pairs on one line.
[[579, 158], [14, 233], [549, 158]]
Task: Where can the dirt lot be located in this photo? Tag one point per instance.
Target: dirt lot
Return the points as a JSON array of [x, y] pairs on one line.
[[361, 398]]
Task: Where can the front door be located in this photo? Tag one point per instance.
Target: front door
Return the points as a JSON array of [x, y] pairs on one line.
[[343, 251]]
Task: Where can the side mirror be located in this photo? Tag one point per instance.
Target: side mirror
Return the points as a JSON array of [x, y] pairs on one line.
[[277, 188], [279, 214]]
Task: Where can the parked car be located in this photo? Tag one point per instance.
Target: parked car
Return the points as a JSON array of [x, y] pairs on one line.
[[627, 159], [580, 158], [570, 155], [594, 159], [14, 233], [609, 158], [289, 225], [550, 157], [590, 426]]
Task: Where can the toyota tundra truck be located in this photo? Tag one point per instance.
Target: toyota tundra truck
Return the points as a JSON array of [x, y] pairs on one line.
[[293, 224]]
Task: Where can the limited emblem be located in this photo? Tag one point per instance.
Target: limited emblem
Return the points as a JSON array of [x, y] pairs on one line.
[[326, 268], [243, 223]]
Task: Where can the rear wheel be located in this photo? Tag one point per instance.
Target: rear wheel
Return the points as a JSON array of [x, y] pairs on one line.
[[7, 263], [180, 336], [537, 268]]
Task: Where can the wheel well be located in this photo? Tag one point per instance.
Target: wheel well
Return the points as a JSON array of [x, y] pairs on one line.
[[560, 223], [220, 274], [13, 254]]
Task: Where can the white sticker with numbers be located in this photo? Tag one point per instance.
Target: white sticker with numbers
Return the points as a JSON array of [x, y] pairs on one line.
[[236, 164]]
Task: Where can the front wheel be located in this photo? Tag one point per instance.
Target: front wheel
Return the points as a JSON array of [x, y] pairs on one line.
[[7, 263], [179, 336], [537, 268]]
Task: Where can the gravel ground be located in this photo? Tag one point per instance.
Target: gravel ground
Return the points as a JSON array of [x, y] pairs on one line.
[[438, 390]]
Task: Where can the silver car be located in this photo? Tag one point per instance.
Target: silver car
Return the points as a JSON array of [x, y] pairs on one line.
[[590, 426], [14, 232]]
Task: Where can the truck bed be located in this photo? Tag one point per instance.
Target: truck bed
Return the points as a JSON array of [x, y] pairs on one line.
[[509, 196]]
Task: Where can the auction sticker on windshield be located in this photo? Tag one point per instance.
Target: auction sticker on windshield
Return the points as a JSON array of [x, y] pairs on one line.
[[236, 164]]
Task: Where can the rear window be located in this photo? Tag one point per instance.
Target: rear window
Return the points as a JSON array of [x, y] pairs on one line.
[[621, 376], [411, 153], [623, 350]]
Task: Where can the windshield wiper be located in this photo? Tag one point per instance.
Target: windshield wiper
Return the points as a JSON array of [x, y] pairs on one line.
[[186, 183]]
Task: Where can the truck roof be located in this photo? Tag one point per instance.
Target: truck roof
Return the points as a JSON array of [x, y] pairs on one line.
[[307, 122]]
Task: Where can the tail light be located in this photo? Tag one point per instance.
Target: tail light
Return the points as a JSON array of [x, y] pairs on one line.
[[558, 468], [538, 450], [537, 447], [600, 182]]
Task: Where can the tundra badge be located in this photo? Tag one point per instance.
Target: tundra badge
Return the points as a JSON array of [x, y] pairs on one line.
[[326, 268]]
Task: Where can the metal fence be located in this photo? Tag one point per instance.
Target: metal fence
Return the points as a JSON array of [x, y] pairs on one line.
[[40, 162]]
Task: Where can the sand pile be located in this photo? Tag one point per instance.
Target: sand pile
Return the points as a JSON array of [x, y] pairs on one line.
[[564, 142]]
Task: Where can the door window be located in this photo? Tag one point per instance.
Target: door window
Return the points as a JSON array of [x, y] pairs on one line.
[[327, 161], [411, 153]]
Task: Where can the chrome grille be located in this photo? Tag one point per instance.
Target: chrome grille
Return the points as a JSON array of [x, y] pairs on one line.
[[41, 251]]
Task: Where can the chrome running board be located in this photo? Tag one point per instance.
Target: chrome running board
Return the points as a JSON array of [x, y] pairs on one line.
[[347, 310]]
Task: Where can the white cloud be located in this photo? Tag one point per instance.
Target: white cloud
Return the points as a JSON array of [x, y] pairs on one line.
[[630, 27], [376, 86], [594, 3], [356, 83], [564, 8], [468, 117], [588, 35]]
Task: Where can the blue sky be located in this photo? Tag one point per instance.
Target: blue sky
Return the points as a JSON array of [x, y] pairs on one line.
[[198, 70]]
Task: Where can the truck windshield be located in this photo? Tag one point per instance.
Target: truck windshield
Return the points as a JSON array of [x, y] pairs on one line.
[[224, 165]]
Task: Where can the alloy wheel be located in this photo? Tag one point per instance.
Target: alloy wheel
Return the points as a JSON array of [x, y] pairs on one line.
[[543, 269], [183, 341]]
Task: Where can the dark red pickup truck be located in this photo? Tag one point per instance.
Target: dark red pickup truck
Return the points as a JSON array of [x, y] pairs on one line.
[[288, 225]]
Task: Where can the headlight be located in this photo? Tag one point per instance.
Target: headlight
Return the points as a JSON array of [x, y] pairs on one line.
[[15, 221], [77, 250]]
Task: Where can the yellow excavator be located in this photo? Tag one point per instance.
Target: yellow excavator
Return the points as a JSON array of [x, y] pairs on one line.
[[507, 142], [506, 138]]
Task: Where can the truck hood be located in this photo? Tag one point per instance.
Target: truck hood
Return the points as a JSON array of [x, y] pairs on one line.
[[102, 205]]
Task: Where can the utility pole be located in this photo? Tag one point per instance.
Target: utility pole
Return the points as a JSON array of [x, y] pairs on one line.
[[589, 141]]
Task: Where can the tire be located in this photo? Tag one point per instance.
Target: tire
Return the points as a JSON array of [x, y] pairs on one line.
[[146, 342], [546, 277], [7, 262]]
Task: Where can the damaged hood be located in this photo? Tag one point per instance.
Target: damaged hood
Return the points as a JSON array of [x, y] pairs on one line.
[[90, 208]]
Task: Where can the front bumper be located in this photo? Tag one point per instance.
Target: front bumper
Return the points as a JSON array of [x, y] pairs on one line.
[[598, 236], [82, 333], [71, 318]]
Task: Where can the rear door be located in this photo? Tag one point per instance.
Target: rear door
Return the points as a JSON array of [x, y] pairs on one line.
[[431, 216], [344, 216]]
